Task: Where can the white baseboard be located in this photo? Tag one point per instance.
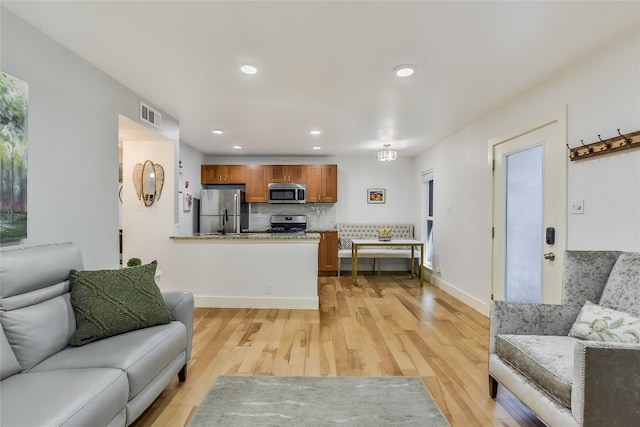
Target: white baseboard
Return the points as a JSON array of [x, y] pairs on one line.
[[473, 302], [245, 302]]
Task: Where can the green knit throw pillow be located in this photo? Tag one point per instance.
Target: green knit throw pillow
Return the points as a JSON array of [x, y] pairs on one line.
[[111, 302]]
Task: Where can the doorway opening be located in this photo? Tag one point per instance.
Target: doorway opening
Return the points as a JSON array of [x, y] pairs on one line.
[[132, 133]]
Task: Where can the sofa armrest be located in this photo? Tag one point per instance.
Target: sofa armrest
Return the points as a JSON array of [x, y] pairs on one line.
[[180, 304], [522, 318], [606, 384]]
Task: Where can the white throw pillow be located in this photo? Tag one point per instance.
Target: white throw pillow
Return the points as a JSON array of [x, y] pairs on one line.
[[597, 323]]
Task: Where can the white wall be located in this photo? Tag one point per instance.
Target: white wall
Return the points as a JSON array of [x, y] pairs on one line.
[[188, 182], [602, 94], [356, 174], [73, 142], [146, 229]]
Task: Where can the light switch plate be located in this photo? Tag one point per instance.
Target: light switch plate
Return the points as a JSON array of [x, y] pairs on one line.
[[577, 207]]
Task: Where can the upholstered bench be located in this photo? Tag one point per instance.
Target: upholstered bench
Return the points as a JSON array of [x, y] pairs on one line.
[[346, 232]]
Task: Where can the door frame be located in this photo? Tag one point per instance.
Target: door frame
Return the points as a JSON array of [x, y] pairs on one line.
[[556, 117]]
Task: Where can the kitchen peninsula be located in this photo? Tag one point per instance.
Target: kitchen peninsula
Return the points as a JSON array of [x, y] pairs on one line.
[[250, 270]]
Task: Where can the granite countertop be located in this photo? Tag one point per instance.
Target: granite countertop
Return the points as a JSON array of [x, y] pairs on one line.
[[309, 230], [250, 237]]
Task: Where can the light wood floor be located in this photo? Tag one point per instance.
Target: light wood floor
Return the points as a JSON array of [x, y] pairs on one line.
[[386, 326]]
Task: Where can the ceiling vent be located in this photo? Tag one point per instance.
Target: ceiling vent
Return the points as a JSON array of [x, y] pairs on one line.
[[149, 115]]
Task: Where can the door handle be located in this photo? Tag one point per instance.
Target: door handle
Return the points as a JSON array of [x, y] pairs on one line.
[[549, 256]]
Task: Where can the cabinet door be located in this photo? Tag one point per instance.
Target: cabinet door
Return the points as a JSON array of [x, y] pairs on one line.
[[222, 174], [287, 173], [233, 174], [322, 183], [209, 174], [275, 173], [296, 173], [314, 183], [330, 183], [256, 184], [328, 252]]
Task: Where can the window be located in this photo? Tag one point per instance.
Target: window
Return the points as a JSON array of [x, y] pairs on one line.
[[427, 225]]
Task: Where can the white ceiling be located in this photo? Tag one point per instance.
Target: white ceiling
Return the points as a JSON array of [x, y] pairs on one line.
[[328, 64]]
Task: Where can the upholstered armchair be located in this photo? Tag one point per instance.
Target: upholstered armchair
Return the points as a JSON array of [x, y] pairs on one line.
[[564, 380]]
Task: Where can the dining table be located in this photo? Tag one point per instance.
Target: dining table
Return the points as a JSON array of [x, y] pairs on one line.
[[364, 243]]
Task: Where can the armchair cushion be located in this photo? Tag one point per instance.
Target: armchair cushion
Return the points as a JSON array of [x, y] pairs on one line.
[[111, 302], [622, 291], [529, 319], [546, 360], [597, 323]]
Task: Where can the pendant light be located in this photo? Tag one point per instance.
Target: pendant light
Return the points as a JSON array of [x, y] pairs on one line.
[[387, 155]]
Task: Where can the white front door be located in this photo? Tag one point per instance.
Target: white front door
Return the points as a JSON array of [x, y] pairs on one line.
[[529, 210]]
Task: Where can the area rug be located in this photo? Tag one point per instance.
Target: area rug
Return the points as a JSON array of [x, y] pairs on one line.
[[317, 401]]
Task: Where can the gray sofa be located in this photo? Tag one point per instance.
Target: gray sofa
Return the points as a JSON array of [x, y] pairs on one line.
[[45, 382], [567, 381]]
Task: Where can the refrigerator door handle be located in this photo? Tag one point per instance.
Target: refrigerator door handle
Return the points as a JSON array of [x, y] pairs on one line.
[[236, 225]]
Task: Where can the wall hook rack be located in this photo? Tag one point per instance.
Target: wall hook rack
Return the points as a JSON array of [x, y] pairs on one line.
[[605, 146]]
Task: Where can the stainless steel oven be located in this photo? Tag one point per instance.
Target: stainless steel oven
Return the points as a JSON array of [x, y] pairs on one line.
[[287, 192]]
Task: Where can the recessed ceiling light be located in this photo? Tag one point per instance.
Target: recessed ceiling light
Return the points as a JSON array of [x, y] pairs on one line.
[[404, 70], [317, 147], [315, 132], [237, 147], [248, 69], [218, 131]]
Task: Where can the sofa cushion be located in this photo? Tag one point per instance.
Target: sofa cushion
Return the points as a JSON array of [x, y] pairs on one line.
[[544, 359], [35, 310], [111, 302], [8, 363], [40, 330], [597, 323], [142, 353], [37, 267], [622, 291], [77, 397]]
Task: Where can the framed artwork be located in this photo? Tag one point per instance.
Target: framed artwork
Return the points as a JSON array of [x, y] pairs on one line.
[[187, 202], [13, 158], [376, 195]]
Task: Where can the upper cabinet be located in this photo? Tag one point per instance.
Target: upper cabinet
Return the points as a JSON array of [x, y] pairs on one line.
[[256, 188], [223, 174], [321, 180], [287, 173], [322, 183]]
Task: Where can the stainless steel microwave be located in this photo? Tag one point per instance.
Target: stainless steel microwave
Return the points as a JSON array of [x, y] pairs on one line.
[[287, 192]]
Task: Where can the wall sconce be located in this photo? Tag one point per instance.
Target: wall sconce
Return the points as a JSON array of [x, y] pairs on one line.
[[148, 179]]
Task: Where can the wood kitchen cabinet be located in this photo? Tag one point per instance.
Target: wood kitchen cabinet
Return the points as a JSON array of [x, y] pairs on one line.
[[322, 183], [328, 252], [287, 173], [223, 174], [256, 184]]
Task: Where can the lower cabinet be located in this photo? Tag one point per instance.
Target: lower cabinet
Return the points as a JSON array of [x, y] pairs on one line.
[[328, 253]]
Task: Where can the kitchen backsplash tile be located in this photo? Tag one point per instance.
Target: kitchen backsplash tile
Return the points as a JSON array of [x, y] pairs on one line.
[[320, 216]]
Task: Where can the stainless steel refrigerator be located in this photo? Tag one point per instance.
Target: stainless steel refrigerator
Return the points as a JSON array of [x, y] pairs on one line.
[[223, 211]]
